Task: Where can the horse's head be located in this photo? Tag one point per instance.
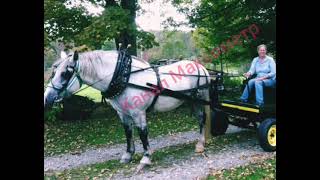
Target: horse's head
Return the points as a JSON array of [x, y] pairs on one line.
[[65, 79]]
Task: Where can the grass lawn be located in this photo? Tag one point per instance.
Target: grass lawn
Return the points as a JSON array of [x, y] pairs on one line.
[[254, 171], [91, 93]]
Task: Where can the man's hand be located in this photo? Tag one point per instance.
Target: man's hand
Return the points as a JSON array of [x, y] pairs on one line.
[[261, 78], [247, 75]]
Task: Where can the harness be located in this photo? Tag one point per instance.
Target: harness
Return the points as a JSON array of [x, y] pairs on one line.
[[156, 70], [122, 74]]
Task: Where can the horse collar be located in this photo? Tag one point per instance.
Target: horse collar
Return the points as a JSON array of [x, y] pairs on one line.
[[120, 76]]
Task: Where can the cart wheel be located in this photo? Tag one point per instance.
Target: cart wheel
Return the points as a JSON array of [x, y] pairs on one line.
[[219, 123], [267, 135]]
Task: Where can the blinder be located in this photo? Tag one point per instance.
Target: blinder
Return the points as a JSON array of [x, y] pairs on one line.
[[67, 75]]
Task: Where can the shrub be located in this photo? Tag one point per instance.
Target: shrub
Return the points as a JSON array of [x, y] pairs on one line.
[[53, 114], [77, 108]]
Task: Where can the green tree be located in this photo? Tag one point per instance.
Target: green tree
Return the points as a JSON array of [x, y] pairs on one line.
[[116, 23], [63, 23], [218, 20], [173, 44], [108, 45]]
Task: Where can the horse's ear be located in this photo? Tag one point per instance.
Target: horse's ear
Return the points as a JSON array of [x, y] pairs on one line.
[[63, 54], [75, 56]]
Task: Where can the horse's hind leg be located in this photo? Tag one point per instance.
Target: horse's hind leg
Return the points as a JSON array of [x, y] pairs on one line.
[[201, 115], [128, 128], [202, 119], [141, 123]]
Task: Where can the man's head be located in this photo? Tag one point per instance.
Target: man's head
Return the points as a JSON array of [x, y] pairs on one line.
[[262, 50]]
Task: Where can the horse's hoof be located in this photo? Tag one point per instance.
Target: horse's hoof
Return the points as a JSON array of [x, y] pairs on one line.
[[199, 148], [145, 160], [126, 158]]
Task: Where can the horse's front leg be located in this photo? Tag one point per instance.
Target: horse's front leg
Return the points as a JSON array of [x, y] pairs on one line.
[[128, 128], [141, 123]]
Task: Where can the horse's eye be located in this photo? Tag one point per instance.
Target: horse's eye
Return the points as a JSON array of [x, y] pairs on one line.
[[64, 74]]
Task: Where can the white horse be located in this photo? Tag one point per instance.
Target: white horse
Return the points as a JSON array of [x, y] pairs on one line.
[[96, 69]]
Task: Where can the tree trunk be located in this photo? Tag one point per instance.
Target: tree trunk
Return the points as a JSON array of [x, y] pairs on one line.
[[125, 39], [110, 3], [125, 36]]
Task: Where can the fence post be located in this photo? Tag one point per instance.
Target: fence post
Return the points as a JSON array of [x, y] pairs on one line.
[[207, 110], [207, 130]]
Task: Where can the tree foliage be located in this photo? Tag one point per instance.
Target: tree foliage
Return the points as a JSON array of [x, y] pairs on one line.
[[172, 45], [76, 25], [64, 23], [217, 20]]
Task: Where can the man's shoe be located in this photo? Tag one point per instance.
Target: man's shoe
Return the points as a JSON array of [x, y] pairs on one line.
[[260, 105], [243, 100]]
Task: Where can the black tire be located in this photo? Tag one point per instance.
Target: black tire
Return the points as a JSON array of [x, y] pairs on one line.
[[267, 135], [219, 123]]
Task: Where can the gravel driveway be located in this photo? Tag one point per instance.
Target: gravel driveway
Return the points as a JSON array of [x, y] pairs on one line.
[[92, 156]]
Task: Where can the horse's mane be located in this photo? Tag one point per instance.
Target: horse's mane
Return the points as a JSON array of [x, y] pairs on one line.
[[141, 60], [91, 60]]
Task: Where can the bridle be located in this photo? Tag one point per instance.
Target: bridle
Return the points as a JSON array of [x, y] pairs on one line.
[[70, 75]]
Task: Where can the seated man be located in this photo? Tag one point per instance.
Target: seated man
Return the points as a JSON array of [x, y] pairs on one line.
[[265, 68]]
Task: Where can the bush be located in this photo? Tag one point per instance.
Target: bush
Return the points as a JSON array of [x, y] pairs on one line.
[[72, 108], [53, 114], [232, 82], [232, 87], [77, 108]]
